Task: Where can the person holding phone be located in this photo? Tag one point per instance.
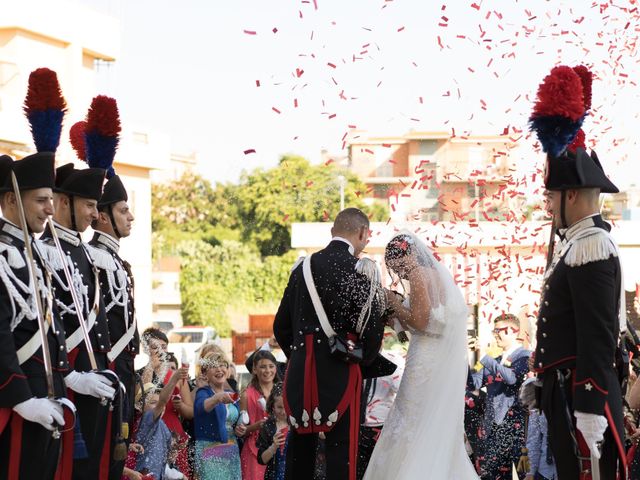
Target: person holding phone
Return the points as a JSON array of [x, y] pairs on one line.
[[273, 436], [216, 415], [253, 401]]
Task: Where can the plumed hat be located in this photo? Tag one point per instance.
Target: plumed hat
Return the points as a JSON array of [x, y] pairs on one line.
[[563, 101]]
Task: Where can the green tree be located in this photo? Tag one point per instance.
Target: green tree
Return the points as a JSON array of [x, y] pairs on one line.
[[191, 209], [214, 279], [269, 201]]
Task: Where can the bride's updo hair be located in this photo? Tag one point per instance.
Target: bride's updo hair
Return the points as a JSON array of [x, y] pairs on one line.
[[399, 247]]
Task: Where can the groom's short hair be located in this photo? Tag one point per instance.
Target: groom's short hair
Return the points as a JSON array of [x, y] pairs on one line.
[[350, 220]]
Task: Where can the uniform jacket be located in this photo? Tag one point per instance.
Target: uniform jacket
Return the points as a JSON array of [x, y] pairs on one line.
[[116, 284], [578, 325], [84, 273], [20, 382], [317, 383]]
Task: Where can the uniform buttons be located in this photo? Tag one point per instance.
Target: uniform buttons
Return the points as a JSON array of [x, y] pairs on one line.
[[61, 347], [544, 335], [300, 332], [57, 332], [102, 347], [546, 287], [317, 329], [540, 364], [99, 335], [542, 350], [295, 348], [546, 304], [61, 363], [544, 319], [319, 341]]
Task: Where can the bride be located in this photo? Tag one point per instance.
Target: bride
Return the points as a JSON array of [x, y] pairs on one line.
[[423, 437]]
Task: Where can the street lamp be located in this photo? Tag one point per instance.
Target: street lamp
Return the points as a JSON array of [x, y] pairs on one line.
[[342, 182]]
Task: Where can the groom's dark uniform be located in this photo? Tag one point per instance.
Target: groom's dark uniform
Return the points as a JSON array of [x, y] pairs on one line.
[[321, 392]]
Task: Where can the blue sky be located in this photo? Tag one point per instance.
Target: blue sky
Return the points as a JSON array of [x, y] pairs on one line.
[[190, 69]]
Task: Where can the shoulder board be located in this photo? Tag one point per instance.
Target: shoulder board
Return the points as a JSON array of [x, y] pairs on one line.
[[101, 258], [594, 245], [369, 268], [50, 253], [298, 262], [13, 255]]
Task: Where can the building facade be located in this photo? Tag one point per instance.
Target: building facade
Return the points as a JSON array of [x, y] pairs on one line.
[[76, 41], [432, 176]]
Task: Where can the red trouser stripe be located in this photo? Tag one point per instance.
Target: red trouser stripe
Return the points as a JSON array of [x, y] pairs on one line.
[[106, 450], [16, 447], [355, 383]]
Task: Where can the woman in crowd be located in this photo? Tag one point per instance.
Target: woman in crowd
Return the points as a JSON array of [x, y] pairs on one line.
[[273, 436], [254, 402], [217, 456]]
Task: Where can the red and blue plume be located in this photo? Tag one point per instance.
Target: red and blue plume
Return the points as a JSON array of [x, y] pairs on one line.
[[586, 77], [45, 107], [76, 136], [559, 110], [578, 142], [102, 133]]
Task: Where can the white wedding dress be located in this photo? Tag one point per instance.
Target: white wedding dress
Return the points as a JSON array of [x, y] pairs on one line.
[[423, 437]]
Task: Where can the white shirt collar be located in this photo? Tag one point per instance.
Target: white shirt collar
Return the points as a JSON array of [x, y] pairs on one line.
[[351, 247]]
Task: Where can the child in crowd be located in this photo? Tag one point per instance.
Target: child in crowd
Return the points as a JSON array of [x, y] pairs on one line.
[[272, 439], [253, 402], [153, 434]]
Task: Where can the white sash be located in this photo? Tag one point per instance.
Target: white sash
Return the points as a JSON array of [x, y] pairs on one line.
[[124, 340], [317, 304], [77, 336], [27, 350]]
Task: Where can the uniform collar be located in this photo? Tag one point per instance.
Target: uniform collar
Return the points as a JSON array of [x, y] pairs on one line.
[[107, 240], [11, 229], [593, 220], [70, 236], [341, 239]]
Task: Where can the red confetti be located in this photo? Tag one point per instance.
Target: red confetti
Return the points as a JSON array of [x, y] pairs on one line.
[[257, 83], [275, 109], [250, 150], [250, 32]]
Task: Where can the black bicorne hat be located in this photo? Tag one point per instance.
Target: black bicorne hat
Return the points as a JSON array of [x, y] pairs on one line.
[[114, 192], [5, 168], [573, 170], [35, 171], [85, 183]]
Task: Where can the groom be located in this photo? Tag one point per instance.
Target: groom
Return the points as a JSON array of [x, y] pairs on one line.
[[321, 391]]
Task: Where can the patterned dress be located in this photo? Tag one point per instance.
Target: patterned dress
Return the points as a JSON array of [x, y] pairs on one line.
[[217, 455]]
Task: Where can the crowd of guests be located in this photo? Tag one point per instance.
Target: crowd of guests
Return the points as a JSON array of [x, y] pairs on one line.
[[204, 427], [207, 428]]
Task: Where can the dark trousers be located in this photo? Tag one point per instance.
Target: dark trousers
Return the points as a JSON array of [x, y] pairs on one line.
[[93, 424], [38, 453], [502, 447], [556, 402], [301, 453], [368, 439]]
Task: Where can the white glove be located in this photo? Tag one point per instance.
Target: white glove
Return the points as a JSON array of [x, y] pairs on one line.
[[46, 412], [172, 474], [89, 383], [592, 428]]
